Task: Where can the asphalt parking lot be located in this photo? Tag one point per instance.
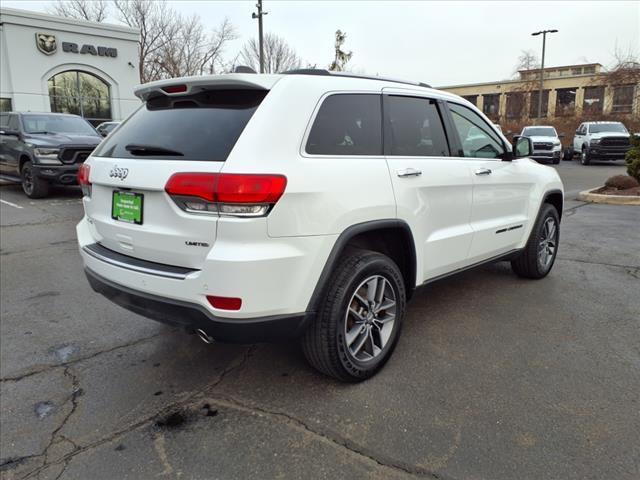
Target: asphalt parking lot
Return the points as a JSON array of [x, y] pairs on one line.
[[494, 377]]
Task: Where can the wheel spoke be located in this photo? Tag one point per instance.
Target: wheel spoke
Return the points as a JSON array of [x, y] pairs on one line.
[[362, 339], [386, 306], [372, 286], [380, 293], [362, 301], [358, 315], [352, 334]]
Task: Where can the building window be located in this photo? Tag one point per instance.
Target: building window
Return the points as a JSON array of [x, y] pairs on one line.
[[471, 98], [5, 105], [565, 102], [589, 70], [515, 104], [576, 71], [622, 99], [491, 105], [533, 104], [80, 93], [593, 100]]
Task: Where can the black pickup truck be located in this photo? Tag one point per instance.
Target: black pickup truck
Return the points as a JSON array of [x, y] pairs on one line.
[[42, 149]]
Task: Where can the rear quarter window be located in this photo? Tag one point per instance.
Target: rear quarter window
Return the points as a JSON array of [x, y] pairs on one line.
[[347, 124], [202, 126]]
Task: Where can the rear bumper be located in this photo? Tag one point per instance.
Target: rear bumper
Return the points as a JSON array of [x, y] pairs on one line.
[[192, 316], [62, 174]]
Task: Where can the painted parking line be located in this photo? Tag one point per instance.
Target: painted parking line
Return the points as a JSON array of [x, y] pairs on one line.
[[10, 204]]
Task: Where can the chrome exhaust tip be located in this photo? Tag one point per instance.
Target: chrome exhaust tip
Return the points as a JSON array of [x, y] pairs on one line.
[[204, 336]]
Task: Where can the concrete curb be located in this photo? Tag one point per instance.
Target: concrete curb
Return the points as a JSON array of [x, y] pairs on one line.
[[588, 196]]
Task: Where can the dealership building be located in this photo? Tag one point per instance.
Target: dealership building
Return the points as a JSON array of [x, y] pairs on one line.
[[56, 64]]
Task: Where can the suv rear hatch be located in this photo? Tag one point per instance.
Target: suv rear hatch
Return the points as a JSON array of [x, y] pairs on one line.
[[180, 129]]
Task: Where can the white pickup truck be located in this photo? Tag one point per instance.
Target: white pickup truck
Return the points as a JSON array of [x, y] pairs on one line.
[[546, 143], [600, 141]]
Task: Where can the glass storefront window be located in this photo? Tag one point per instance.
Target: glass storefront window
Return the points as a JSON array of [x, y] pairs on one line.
[[80, 93]]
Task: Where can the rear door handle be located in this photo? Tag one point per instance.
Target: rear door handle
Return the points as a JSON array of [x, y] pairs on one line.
[[483, 171], [409, 172]]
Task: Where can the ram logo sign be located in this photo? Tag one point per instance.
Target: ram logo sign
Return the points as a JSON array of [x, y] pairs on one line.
[[46, 43]]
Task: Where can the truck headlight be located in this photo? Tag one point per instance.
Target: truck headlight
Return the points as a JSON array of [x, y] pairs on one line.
[[595, 141], [48, 156]]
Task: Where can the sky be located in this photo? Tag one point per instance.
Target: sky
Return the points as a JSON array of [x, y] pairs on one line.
[[439, 43]]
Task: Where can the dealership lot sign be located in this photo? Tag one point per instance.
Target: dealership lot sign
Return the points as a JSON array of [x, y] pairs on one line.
[[48, 45]]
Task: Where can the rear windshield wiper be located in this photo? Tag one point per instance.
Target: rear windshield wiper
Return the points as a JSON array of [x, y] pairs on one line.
[[151, 150]]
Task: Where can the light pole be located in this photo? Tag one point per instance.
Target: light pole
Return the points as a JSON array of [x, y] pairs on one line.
[[259, 16], [544, 41]]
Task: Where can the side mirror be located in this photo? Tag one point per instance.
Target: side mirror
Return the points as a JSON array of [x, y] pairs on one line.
[[578, 132], [561, 135], [522, 147], [14, 133], [104, 133]]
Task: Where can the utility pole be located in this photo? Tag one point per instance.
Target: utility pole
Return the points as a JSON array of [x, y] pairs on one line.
[[544, 41], [259, 16]]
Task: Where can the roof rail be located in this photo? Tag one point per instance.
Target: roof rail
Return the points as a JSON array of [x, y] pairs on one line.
[[327, 73]]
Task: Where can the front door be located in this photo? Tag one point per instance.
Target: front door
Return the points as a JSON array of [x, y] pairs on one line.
[[501, 189], [433, 190]]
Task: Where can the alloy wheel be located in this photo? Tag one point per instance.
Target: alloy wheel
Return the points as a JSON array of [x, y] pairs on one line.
[[370, 317], [548, 243]]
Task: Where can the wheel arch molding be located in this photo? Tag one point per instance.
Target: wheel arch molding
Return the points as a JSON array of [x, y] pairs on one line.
[[391, 237], [553, 197]]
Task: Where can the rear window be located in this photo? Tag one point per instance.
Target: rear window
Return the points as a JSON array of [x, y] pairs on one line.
[[202, 126], [347, 124]]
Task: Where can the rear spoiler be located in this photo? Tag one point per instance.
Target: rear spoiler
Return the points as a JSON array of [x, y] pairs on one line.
[[188, 85]]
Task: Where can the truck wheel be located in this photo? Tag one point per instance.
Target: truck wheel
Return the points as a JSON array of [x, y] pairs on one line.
[[33, 186], [568, 154], [359, 321], [585, 157], [539, 254]]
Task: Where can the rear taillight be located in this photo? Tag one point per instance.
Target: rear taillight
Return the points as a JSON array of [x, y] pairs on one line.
[[83, 179], [241, 195]]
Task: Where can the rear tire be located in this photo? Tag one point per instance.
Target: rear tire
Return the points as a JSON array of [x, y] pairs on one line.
[[32, 185], [360, 318], [539, 254], [585, 157]]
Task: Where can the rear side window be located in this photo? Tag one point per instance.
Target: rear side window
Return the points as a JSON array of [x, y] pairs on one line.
[[347, 124], [202, 126], [415, 127]]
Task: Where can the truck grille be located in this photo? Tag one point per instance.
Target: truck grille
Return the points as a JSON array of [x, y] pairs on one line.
[[543, 146], [71, 155], [614, 142]]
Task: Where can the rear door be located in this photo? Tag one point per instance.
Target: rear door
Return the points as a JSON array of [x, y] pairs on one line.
[[433, 190], [501, 189], [129, 209]]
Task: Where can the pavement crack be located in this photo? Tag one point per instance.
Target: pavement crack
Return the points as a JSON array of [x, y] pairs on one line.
[[571, 211], [332, 438], [45, 368], [631, 269], [191, 399]]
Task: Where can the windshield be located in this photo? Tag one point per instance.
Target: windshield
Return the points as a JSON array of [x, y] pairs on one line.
[[201, 126], [539, 132], [57, 124], [607, 127]]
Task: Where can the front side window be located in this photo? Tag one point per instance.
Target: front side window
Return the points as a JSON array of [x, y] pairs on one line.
[[414, 127], [477, 138], [4, 119], [14, 122], [347, 124]]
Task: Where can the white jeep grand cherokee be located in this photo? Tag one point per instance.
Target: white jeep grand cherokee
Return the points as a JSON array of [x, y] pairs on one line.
[[253, 207]]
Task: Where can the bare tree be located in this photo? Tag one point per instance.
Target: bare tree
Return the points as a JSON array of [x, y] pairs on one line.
[[278, 55], [341, 57], [90, 10], [193, 51], [527, 60], [625, 68], [158, 24]]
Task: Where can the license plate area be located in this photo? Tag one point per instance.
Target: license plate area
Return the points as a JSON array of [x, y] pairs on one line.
[[127, 206]]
